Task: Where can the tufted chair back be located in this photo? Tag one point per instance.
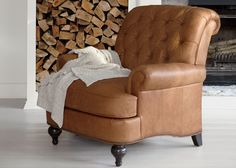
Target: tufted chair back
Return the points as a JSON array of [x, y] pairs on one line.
[[163, 34]]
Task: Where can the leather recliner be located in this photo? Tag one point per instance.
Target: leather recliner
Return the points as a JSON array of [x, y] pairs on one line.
[[166, 49]]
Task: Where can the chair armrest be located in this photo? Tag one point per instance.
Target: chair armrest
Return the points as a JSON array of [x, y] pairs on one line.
[[163, 76], [63, 59]]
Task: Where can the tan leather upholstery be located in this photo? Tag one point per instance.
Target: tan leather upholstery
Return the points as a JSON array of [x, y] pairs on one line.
[[161, 34], [102, 98], [166, 49], [148, 77], [115, 131]]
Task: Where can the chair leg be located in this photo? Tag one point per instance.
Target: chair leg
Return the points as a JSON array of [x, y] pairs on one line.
[[118, 151], [197, 139], [54, 133]]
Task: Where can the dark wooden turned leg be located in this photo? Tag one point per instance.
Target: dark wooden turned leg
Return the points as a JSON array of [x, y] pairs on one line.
[[197, 139], [54, 133], [118, 151]]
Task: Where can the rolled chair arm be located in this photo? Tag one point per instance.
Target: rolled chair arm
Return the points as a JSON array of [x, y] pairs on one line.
[[163, 76], [63, 59]]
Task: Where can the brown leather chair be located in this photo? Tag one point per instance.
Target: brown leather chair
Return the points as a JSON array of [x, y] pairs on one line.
[[166, 49]]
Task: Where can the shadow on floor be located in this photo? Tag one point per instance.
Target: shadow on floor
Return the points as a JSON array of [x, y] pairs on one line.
[[12, 103]]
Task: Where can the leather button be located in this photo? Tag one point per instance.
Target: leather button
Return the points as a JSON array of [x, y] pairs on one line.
[[181, 42]]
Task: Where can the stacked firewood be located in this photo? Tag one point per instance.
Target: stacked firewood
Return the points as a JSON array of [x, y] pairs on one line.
[[63, 25], [227, 47]]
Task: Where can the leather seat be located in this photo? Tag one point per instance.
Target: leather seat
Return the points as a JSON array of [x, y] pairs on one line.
[[102, 98]]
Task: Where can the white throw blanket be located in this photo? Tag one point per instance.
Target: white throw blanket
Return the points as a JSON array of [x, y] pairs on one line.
[[91, 65]]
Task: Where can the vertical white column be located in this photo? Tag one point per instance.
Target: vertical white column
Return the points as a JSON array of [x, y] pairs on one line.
[[31, 51]]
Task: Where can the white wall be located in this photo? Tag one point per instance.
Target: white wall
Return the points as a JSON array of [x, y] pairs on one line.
[[134, 3], [13, 43]]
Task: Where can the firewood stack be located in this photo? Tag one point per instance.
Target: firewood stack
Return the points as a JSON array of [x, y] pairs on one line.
[[63, 25]]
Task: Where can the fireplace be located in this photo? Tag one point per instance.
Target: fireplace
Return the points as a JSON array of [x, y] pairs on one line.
[[221, 61]]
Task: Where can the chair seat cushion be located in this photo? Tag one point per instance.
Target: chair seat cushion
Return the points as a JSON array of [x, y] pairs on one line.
[[106, 98]]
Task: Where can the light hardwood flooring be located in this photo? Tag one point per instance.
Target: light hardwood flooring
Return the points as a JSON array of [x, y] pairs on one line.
[[25, 143]]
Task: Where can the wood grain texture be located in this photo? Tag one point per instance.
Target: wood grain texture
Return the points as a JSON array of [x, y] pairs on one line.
[[63, 25]]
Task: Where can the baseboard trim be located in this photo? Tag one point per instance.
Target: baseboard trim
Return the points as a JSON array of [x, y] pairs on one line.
[[13, 90]]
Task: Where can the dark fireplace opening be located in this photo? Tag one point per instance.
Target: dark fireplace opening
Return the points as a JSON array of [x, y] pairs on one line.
[[221, 60]]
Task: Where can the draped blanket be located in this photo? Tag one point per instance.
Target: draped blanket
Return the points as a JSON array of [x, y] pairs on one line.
[[90, 66]]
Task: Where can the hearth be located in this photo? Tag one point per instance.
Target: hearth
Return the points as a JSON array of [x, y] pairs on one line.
[[221, 61]]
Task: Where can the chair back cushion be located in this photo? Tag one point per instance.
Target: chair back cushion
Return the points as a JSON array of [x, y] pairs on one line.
[[165, 33]]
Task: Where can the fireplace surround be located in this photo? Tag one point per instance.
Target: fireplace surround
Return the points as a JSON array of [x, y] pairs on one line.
[[221, 62]]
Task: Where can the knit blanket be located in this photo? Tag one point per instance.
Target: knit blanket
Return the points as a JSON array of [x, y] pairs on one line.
[[91, 65]]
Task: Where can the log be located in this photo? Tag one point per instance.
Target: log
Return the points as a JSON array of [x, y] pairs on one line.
[[49, 39], [55, 13], [114, 37], [123, 2], [60, 47], [109, 41], [43, 25], [87, 6], [54, 68], [64, 14], [88, 28], [112, 25], [115, 12], [80, 14], [60, 21], [80, 39], [119, 21], [39, 15], [110, 17], [97, 32], [50, 21], [77, 4], [71, 18], [42, 8], [66, 35], [82, 22], [108, 32], [95, 1], [39, 65], [56, 3], [42, 45], [42, 75], [71, 45], [98, 11], [74, 28], [104, 5], [100, 46], [69, 5], [55, 31], [66, 28], [90, 40], [49, 62], [97, 22], [113, 3], [38, 33], [41, 53], [53, 51]]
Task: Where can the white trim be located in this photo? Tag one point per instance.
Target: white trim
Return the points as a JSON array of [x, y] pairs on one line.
[[31, 43], [12, 90]]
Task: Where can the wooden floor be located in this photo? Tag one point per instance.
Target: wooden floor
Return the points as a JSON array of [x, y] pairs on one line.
[[24, 143]]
